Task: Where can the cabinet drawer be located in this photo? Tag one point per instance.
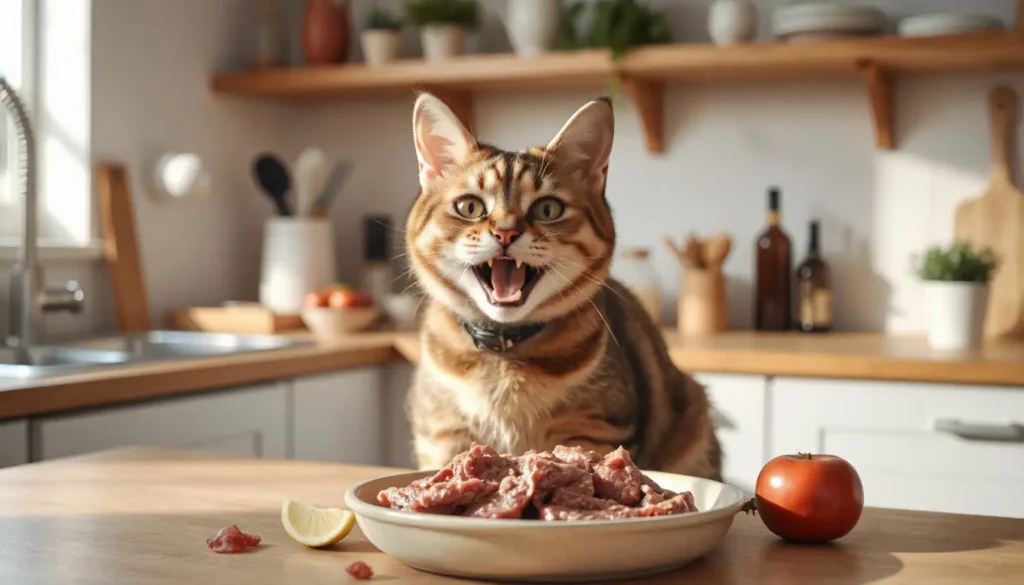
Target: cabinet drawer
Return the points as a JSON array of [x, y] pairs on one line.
[[916, 446], [13, 442], [738, 412], [247, 421]]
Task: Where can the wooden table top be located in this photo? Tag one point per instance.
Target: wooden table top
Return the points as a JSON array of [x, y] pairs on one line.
[[141, 516]]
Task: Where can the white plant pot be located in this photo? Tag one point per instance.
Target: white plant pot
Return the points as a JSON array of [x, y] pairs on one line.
[[532, 25], [732, 21], [956, 314], [380, 46], [442, 42]]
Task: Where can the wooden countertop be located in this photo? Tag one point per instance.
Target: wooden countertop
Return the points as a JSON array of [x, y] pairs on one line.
[[868, 356], [141, 516]]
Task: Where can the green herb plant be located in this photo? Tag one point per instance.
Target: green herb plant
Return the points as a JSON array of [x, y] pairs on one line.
[[462, 13], [381, 19], [616, 25], [960, 262]]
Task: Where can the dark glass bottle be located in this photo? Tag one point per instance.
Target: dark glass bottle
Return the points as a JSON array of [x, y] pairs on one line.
[[814, 292], [773, 300]]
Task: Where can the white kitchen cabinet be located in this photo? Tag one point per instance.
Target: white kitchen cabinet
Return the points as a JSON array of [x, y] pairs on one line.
[[247, 421], [13, 442], [738, 413], [916, 446], [338, 417]]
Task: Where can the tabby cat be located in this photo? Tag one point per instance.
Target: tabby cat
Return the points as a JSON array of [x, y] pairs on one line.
[[527, 343]]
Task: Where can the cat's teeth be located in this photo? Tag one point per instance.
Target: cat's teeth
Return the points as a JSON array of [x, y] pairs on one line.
[[519, 263], [514, 298], [490, 263]]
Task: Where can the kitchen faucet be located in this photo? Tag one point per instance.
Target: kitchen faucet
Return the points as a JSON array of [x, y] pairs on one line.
[[28, 297]]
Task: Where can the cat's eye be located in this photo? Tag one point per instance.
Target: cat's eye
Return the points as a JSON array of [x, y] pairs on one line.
[[547, 209], [470, 207]]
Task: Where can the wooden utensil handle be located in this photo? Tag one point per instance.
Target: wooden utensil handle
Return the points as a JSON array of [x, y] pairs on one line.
[[1003, 118]]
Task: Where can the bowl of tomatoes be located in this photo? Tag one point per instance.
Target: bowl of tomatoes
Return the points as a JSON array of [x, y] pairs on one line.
[[337, 310]]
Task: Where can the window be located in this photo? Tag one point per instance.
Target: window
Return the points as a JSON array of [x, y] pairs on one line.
[[45, 54], [12, 58]]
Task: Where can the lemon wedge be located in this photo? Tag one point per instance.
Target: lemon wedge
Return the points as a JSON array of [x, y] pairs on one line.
[[314, 526]]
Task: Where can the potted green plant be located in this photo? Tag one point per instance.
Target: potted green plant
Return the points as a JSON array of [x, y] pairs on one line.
[[615, 25], [956, 282], [380, 41], [443, 25]]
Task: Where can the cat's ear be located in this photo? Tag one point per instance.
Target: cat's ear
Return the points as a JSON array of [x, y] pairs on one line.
[[441, 139], [584, 144]]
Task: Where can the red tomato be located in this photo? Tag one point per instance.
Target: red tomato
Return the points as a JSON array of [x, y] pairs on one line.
[[809, 498], [315, 299], [341, 298]]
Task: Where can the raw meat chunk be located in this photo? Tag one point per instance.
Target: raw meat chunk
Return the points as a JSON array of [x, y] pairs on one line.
[[360, 570], [617, 478], [232, 540]]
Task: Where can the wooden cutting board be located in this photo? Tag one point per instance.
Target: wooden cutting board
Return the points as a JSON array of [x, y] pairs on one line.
[[996, 219], [122, 248]]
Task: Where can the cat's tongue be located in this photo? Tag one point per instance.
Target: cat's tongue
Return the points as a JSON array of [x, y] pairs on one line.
[[507, 280]]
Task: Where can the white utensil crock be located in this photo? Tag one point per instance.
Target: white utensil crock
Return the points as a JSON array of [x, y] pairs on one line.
[[956, 314], [732, 21], [380, 46], [532, 25], [442, 42], [298, 257]]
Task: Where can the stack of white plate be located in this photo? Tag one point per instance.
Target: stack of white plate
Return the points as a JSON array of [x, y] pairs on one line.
[[927, 25], [825, 20]]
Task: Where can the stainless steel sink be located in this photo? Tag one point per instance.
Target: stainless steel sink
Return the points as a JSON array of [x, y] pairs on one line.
[[163, 345], [51, 360], [136, 348]]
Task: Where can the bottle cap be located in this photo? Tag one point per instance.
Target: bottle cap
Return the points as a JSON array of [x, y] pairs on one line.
[[773, 198]]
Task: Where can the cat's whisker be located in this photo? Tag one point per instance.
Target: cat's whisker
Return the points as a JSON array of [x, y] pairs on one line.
[[591, 301]]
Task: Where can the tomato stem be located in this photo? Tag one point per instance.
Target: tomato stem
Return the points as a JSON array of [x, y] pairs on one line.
[[750, 506], [803, 455]]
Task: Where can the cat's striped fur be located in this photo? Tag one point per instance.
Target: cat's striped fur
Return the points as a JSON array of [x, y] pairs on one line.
[[598, 374]]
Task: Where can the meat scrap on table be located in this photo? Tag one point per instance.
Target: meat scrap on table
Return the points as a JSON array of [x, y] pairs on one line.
[[232, 540], [360, 570], [565, 484]]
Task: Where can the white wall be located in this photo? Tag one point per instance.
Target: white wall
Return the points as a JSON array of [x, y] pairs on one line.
[[725, 145]]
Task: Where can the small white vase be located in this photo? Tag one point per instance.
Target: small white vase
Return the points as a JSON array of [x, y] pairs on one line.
[[532, 25], [956, 314], [732, 21], [380, 46], [441, 42]]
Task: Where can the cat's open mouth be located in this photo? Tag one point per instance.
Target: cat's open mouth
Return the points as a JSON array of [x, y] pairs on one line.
[[506, 281]]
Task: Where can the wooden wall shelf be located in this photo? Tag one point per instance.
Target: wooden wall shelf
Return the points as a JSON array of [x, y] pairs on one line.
[[876, 61]]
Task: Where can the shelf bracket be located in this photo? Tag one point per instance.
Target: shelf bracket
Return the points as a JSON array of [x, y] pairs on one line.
[[648, 98], [879, 85], [460, 103]]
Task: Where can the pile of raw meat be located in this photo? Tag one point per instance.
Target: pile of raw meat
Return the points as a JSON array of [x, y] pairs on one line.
[[565, 484]]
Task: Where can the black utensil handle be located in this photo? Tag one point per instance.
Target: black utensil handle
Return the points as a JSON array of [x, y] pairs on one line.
[[282, 207]]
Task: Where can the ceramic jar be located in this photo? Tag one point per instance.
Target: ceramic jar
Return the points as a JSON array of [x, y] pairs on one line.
[[325, 31], [380, 46], [732, 21], [956, 314], [532, 25], [442, 41]]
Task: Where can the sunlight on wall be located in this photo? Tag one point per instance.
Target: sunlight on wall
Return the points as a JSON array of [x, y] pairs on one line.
[[63, 121], [914, 202]]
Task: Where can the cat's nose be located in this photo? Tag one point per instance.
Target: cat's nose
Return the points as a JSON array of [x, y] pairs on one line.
[[505, 237]]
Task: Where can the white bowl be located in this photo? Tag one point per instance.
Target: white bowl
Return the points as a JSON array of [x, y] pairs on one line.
[[947, 24], [328, 322], [532, 550], [825, 18], [402, 309]]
